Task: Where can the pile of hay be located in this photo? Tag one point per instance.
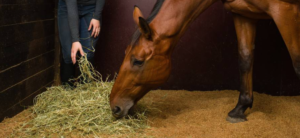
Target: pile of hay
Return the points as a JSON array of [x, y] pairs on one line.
[[80, 111]]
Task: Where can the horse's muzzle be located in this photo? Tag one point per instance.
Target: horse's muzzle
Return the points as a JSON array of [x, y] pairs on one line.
[[117, 112]]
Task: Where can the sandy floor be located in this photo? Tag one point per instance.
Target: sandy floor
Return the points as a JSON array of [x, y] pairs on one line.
[[203, 114]]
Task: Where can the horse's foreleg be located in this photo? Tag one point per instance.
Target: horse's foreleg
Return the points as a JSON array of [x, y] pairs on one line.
[[246, 31], [287, 19]]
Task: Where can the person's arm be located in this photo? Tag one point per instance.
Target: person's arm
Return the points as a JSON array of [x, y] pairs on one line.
[[99, 8], [95, 22], [73, 19]]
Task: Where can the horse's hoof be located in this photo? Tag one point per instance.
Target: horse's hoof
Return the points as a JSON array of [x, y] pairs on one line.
[[235, 120]]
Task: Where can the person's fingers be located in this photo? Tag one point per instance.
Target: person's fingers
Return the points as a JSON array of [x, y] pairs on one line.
[[94, 31], [91, 24], [97, 32], [81, 52], [73, 56]]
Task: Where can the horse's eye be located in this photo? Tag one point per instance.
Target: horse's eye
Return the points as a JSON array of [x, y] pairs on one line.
[[138, 63]]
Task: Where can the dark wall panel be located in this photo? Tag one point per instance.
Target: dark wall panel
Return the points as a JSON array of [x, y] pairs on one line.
[[19, 2], [26, 52], [25, 32], [58, 55], [25, 69], [29, 88], [20, 13], [206, 56]]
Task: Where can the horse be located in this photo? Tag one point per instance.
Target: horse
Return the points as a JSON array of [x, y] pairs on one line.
[[147, 62]]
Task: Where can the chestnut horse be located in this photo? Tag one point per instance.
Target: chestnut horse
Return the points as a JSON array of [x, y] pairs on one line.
[[147, 62]]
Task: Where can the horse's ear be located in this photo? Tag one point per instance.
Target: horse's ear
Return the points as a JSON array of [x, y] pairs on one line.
[[141, 22], [136, 14], [144, 28]]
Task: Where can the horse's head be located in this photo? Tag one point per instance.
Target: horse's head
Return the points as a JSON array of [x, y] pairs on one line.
[[146, 65]]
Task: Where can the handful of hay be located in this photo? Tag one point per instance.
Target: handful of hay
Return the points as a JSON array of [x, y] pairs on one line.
[[80, 111]]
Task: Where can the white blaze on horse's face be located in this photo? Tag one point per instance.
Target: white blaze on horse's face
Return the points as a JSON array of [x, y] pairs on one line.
[[145, 67]]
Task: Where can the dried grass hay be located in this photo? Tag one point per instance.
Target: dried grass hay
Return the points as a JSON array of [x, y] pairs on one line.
[[81, 111]]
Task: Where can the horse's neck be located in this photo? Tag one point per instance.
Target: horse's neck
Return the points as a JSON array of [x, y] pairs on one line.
[[175, 16]]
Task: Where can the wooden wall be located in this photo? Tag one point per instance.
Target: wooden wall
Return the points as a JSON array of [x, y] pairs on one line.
[[26, 52]]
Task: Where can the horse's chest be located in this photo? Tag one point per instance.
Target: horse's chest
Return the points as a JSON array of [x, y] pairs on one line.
[[245, 8]]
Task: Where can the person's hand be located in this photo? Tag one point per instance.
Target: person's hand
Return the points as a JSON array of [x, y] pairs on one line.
[[76, 46], [95, 24]]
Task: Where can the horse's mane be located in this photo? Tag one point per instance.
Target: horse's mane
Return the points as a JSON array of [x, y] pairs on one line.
[[153, 14]]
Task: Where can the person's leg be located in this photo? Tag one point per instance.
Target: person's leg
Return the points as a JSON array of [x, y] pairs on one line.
[[67, 67]]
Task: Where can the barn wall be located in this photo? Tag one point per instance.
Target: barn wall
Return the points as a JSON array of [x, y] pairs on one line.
[[26, 52], [57, 49], [206, 56]]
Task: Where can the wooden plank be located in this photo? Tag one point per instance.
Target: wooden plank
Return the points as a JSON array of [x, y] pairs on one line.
[[26, 50], [2, 2], [19, 107], [22, 33], [24, 70], [57, 51], [15, 99], [22, 13], [25, 88]]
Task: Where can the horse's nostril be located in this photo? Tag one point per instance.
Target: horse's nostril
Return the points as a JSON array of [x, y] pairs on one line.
[[116, 110]]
